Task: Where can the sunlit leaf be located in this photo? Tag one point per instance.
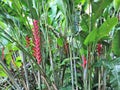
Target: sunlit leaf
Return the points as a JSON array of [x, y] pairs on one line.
[[101, 32], [116, 43]]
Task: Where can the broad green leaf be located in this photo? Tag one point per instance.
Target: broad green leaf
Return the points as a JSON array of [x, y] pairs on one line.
[[106, 27], [98, 8], [16, 4], [116, 43], [116, 4], [101, 32], [92, 37]]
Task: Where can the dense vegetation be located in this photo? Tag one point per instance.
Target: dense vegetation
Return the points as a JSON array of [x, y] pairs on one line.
[[59, 44]]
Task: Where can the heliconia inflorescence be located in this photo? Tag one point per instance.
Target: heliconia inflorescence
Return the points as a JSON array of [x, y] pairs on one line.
[[99, 49], [84, 61], [27, 41], [36, 40]]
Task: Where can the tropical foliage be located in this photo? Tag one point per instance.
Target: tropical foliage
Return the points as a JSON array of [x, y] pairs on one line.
[[60, 44]]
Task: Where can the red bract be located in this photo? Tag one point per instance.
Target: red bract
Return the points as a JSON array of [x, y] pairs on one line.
[[36, 35], [84, 61], [99, 48], [27, 41]]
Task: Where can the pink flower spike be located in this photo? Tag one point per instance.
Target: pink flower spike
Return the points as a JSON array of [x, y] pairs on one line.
[[37, 43]]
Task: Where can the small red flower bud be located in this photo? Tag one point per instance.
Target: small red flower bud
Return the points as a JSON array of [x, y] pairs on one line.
[[99, 48], [84, 61]]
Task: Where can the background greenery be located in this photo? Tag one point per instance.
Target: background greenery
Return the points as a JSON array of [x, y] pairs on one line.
[[69, 30]]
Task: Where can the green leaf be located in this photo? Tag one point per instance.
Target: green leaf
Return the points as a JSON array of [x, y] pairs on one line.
[[101, 32], [28, 3], [18, 58], [18, 61], [2, 73], [61, 5], [60, 42], [2, 25], [116, 44], [85, 23], [83, 51], [98, 8], [34, 13], [92, 37], [116, 4], [106, 27], [80, 1], [8, 58]]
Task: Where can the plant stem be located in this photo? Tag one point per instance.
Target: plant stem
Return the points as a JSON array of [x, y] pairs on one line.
[[99, 78], [24, 66], [75, 71], [10, 75], [71, 65], [39, 81]]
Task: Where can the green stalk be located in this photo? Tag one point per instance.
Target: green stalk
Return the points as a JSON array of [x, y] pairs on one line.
[[71, 66], [105, 72], [75, 71], [24, 66], [47, 40], [88, 71], [85, 78], [39, 81], [99, 78]]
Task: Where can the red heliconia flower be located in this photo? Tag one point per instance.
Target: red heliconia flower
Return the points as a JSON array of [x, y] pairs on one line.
[[36, 40], [3, 56], [99, 48], [84, 61], [27, 41]]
